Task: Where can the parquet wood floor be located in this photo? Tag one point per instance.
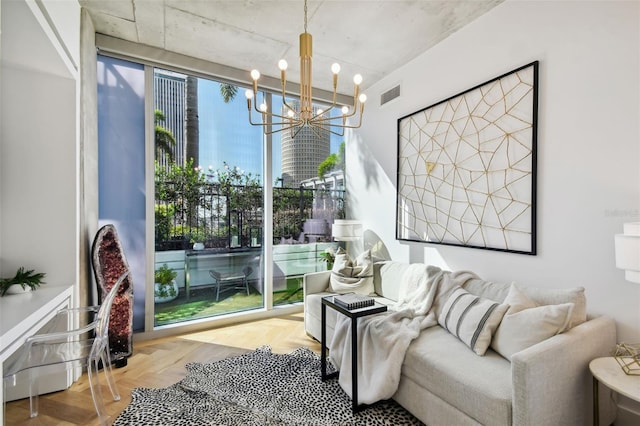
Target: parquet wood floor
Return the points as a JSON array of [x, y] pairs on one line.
[[160, 363]]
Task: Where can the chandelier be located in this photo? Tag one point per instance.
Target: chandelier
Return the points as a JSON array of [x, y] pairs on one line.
[[297, 117]]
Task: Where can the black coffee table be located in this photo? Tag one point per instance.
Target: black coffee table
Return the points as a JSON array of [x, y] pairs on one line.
[[354, 314]]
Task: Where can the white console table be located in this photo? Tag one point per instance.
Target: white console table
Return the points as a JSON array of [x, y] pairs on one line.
[[22, 315]]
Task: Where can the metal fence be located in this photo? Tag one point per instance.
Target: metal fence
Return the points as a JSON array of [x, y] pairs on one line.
[[231, 216]]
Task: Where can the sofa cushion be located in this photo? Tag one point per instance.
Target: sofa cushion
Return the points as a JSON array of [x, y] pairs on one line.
[[549, 296], [471, 318], [313, 315], [352, 275], [486, 289], [526, 323], [480, 387], [388, 278]]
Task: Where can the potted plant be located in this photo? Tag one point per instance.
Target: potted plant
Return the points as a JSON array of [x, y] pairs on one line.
[[27, 280], [329, 256], [166, 288], [198, 239]]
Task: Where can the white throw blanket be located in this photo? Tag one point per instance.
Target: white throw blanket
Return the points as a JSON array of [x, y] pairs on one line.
[[383, 339]]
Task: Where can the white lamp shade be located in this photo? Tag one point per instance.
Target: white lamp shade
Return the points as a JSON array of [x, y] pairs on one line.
[[628, 251], [346, 230]]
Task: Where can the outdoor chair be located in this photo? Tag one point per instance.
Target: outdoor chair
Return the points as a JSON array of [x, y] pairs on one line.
[[233, 280], [88, 345]]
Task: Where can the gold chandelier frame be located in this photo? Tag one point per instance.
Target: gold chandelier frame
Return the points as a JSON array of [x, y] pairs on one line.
[[298, 118]]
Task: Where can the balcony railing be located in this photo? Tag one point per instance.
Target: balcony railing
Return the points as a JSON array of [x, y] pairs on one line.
[[228, 222], [231, 216]]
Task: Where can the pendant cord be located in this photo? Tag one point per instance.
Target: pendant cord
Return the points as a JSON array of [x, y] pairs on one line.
[[305, 16]]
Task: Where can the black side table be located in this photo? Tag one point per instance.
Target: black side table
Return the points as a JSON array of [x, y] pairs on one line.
[[354, 314]]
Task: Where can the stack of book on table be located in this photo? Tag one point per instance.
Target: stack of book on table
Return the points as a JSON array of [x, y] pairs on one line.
[[353, 301]]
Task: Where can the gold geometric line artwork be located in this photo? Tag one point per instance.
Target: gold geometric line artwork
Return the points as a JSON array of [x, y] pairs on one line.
[[466, 167]]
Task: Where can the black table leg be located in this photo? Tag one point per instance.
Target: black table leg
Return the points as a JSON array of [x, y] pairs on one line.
[[323, 348], [354, 363], [353, 315]]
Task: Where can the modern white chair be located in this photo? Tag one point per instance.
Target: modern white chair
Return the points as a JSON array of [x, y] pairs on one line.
[[233, 280], [87, 346]]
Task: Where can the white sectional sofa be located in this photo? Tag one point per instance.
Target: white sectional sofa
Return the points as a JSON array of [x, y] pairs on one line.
[[443, 382]]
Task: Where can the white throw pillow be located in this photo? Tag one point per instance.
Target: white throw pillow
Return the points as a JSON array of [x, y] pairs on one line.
[[526, 323], [472, 319], [551, 296], [352, 276]]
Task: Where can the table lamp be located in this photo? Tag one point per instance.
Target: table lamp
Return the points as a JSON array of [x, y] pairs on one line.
[[346, 230], [628, 251], [628, 258]]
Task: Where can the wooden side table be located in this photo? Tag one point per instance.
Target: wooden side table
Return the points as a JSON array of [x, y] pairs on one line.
[[354, 314], [608, 372]]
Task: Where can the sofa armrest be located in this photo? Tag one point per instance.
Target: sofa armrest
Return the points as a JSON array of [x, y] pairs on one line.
[[551, 380], [315, 282]]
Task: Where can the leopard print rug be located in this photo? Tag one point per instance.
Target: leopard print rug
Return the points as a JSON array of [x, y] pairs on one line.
[[256, 388]]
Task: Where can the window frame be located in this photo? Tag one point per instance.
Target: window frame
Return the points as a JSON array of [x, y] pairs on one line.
[[150, 58]]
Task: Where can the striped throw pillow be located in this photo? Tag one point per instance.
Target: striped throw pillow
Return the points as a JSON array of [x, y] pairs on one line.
[[472, 319]]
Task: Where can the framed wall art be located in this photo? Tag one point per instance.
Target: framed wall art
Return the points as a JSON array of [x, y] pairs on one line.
[[467, 167]]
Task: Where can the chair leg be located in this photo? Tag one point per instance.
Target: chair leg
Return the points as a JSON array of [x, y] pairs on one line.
[[96, 391], [217, 290], [108, 374], [246, 284], [33, 393]]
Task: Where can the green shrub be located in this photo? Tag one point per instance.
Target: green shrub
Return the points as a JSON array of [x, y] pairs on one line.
[[164, 275]]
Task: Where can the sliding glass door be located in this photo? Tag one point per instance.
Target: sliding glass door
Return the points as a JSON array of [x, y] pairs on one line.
[[209, 199], [238, 216]]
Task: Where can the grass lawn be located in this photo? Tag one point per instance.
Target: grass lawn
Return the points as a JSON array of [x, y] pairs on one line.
[[202, 303]]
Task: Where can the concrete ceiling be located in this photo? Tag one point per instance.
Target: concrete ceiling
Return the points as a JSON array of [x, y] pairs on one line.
[[370, 37]]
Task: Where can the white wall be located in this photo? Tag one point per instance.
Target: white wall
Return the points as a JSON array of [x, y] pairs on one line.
[[588, 143], [38, 142]]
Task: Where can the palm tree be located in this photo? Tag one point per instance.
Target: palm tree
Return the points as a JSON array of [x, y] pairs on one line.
[[228, 92], [192, 132], [165, 141]]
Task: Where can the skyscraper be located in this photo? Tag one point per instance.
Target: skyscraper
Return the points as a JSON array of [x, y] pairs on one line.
[[302, 154], [169, 97]]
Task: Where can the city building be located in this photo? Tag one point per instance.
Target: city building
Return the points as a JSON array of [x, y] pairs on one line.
[[169, 97], [302, 153]]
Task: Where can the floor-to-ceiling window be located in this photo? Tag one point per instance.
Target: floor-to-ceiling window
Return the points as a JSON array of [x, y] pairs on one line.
[[238, 217], [209, 200], [306, 198]]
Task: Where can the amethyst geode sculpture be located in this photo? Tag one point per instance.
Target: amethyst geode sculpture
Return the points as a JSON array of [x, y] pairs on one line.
[[109, 263]]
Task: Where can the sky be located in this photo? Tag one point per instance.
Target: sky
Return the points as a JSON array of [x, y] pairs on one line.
[[237, 142]]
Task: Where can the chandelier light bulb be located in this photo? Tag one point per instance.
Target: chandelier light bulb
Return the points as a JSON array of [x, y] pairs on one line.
[[306, 114], [362, 98]]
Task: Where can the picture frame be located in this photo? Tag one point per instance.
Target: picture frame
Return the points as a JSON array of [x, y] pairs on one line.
[[466, 171]]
